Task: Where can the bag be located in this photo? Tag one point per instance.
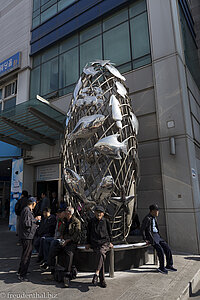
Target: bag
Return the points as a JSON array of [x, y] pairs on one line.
[[18, 208]]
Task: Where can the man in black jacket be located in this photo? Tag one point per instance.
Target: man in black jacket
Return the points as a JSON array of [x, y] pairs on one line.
[[99, 237], [46, 229], [21, 203], [27, 232], [150, 232]]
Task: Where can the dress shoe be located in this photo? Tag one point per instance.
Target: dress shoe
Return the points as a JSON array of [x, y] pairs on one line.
[[95, 279], [23, 278], [103, 284], [170, 269]]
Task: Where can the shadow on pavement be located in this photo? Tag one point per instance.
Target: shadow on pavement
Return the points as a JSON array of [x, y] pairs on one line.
[[192, 295], [192, 258]]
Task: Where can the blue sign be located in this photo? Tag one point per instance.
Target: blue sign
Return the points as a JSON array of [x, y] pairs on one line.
[[7, 150], [16, 190], [10, 64]]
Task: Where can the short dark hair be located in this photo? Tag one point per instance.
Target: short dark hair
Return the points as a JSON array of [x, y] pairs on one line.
[[45, 193], [153, 207], [25, 193], [47, 209]]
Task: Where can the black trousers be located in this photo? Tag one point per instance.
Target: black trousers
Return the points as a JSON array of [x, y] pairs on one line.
[[162, 248], [27, 246], [68, 252], [101, 257]]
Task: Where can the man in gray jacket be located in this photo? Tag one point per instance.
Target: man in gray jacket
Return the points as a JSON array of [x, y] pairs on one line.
[[27, 231]]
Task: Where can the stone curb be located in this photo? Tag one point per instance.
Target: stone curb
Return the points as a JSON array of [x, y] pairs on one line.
[[187, 292]]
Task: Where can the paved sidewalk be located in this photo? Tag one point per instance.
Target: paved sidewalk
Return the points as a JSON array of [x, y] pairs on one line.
[[142, 283]]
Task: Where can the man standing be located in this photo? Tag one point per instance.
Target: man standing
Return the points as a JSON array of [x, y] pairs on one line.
[[45, 201], [54, 204], [150, 232], [27, 232], [99, 237], [21, 203]]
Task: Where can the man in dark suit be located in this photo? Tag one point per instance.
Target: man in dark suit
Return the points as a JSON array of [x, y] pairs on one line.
[[27, 231], [99, 237], [150, 232]]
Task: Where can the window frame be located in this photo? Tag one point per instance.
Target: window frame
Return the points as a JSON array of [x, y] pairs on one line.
[[12, 95]]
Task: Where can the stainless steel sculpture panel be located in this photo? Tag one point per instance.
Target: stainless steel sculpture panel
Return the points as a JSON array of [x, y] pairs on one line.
[[100, 156]]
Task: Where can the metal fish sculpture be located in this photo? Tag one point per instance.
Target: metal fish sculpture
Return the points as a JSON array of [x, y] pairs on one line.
[[107, 158], [121, 89], [135, 123], [75, 184], [111, 146], [90, 71], [115, 72], [104, 189], [77, 88], [100, 62], [116, 112], [86, 127]]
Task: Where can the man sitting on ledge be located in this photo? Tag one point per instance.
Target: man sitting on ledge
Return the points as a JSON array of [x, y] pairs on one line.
[[99, 237], [151, 235], [71, 236]]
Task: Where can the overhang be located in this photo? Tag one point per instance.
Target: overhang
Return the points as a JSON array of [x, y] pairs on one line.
[[31, 123]]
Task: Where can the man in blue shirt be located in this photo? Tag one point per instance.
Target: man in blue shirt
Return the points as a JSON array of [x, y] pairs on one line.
[[150, 232]]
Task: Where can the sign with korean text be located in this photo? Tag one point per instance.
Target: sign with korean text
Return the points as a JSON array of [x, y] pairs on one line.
[[10, 64], [49, 172]]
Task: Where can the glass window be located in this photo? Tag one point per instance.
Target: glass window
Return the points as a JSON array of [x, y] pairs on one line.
[[90, 50], [115, 19], [36, 60], [36, 21], [35, 82], [145, 60], [90, 32], [137, 8], [117, 44], [64, 3], [9, 103], [10, 89], [48, 4], [190, 50], [0, 106], [49, 13], [0, 93], [140, 36], [69, 43], [68, 71], [36, 4], [125, 67], [50, 53], [44, 1], [36, 13], [49, 74]]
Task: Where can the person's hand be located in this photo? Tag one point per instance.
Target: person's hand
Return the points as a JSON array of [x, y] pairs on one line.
[[147, 242], [38, 218], [111, 245], [87, 247], [65, 243]]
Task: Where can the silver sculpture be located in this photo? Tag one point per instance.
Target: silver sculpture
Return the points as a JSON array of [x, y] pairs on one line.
[[100, 156]]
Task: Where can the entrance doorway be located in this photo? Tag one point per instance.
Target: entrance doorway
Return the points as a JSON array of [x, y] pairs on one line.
[[47, 186]]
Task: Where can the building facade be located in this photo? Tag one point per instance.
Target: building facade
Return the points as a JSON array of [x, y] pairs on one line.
[[15, 35], [155, 44]]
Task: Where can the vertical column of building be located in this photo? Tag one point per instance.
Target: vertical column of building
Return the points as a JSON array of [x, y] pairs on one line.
[[181, 189]]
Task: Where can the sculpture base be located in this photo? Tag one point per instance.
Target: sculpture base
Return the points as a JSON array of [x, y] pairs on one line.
[[126, 257]]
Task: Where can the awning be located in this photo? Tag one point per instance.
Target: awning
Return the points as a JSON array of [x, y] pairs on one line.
[[31, 123]]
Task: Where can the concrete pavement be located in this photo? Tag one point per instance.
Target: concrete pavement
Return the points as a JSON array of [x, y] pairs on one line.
[[142, 283]]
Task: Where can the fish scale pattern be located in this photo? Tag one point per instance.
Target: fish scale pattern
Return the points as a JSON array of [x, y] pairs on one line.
[[99, 81]]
